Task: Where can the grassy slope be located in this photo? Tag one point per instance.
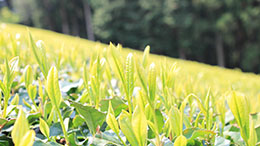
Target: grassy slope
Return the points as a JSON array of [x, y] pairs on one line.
[[202, 75]]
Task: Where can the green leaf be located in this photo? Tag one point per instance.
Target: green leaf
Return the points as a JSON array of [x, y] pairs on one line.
[[33, 117], [139, 124], [40, 55], [220, 141], [175, 121], [10, 72], [256, 119], [146, 56], [257, 129], [27, 104], [110, 137], [127, 128], [118, 62], [28, 76], [28, 139], [55, 129], [53, 88], [41, 143], [21, 127], [3, 122], [32, 91], [4, 143], [236, 137], [238, 105], [85, 75], [111, 120], [93, 117], [192, 133], [78, 121], [180, 141], [2, 86], [44, 128], [160, 121], [142, 76], [252, 135], [221, 109], [117, 103], [15, 100], [129, 76], [73, 140], [152, 82]]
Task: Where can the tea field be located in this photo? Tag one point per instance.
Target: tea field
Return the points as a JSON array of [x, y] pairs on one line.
[[63, 90]]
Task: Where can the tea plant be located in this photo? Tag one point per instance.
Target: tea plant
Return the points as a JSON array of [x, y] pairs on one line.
[[61, 90]]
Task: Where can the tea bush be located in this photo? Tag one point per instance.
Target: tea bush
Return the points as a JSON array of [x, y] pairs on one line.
[[62, 90]]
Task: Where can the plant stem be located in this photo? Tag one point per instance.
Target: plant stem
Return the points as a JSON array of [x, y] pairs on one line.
[[120, 139], [5, 108], [6, 97], [158, 142], [63, 126], [129, 104]]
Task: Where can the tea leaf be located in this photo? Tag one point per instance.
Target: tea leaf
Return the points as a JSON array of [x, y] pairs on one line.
[[44, 128], [93, 117], [175, 121], [139, 124], [28, 139], [28, 76], [32, 91], [152, 82], [21, 127], [252, 134], [129, 76], [111, 120], [15, 100], [53, 88], [239, 107], [40, 55], [180, 141], [146, 56], [127, 128]]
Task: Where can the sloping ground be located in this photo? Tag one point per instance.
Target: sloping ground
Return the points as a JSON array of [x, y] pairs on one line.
[[198, 74], [144, 99]]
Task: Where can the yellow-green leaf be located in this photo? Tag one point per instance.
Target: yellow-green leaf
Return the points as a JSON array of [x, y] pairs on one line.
[[175, 121], [85, 75], [32, 91], [126, 127], [44, 128], [111, 120], [252, 135], [146, 56], [118, 62], [15, 100], [239, 107], [10, 71], [142, 76], [221, 109], [28, 139], [40, 54], [21, 127], [139, 124], [41, 91], [152, 81], [28, 76], [180, 141], [129, 72], [53, 87]]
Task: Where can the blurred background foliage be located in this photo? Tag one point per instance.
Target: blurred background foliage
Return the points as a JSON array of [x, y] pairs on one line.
[[224, 33]]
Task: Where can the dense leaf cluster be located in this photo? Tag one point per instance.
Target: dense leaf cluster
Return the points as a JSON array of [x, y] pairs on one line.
[[110, 96]]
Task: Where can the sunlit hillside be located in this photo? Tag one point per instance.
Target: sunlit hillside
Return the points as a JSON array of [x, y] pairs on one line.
[[58, 77]]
